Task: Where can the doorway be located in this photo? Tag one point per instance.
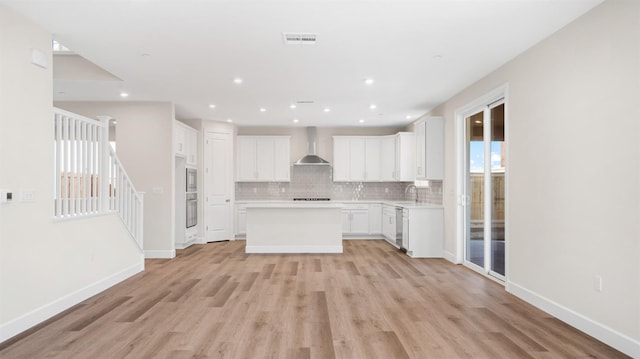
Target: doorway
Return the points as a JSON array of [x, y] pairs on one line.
[[218, 186], [482, 186]]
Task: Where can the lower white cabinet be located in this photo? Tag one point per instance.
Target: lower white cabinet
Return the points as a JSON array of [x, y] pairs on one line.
[[355, 219], [389, 223], [241, 219], [422, 232], [375, 218]]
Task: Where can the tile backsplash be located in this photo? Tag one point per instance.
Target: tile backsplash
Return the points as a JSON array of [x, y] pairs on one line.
[[316, 181]]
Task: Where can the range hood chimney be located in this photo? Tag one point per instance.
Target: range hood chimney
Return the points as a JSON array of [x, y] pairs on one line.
[[311, 159]]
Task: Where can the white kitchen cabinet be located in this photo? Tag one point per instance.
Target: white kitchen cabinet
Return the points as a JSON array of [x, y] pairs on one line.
[[430, 149], [185, 143], [375, 219], [355, 219], [389, 223], [422, 232], [341, 159], [241, 219], [356, 155], [192, 147], [263, 159], [405, 160], [372, 159], [388, 158], [356, 158], [179, 139], [246, 158]]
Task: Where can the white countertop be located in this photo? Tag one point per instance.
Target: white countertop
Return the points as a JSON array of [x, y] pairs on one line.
[[332, 203], [293, 204]]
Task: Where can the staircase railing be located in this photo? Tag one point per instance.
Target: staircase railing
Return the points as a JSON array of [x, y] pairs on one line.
[[90, 179]]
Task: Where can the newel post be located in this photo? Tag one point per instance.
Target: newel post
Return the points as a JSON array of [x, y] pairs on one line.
[[104, 163]]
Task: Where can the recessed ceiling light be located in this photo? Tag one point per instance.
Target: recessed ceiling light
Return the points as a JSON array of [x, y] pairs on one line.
[[124, 94], [361, 121], [295, 120], [326, 109], [293, 105], [372, 106], [408, 117], [237, 80], [212, 106], [262, 109], [229, 120], [369, 81]]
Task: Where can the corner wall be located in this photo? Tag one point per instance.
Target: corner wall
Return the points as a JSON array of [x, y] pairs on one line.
[[46, 266], [573, 167], [144, 144]]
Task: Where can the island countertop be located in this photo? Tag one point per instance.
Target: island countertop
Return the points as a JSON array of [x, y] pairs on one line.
[[294, 204]]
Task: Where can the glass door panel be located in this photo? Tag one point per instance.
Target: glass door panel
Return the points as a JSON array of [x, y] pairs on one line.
[[497, 190], [475, 169], [485, 189]]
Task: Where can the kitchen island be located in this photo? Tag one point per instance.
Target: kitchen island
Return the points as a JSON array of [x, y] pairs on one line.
[[294, 227]]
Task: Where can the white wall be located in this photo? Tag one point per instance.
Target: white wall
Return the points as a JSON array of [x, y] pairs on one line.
[[45, 266], [574, 171], [144, 145]]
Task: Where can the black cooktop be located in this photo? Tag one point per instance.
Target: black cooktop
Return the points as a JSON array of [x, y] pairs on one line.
[[312, 199]]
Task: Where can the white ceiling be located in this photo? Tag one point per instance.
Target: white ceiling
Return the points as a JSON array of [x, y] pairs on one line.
[[420, 53]]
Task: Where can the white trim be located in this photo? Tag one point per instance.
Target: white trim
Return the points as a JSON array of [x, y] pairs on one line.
[[459, 117], [294, 249], [450, 257], [187, 244], [160, 254], [39, 315], [597, 330], [349, 237]]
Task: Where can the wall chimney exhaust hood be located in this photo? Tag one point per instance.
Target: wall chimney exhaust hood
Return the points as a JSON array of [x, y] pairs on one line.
[[311, 159]]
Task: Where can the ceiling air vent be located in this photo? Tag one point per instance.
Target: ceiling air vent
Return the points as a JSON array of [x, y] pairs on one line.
[[299, 39]]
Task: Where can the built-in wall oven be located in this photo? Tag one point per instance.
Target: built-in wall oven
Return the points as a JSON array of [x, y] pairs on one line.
[[191, 198], [192, 180], [192, 209]]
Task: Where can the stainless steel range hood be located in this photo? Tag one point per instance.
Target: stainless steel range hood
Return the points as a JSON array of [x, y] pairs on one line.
[[311, 159]]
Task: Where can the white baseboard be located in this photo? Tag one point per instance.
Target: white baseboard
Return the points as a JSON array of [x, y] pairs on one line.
[[294, 249], [186, 244], [349, 237], [39, 315], [450, 257], [156, 254], [599, 331]]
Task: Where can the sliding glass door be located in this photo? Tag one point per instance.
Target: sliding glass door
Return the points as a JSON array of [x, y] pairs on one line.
[[485, 168]]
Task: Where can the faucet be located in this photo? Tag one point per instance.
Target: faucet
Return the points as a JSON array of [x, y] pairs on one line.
[[414, 189]]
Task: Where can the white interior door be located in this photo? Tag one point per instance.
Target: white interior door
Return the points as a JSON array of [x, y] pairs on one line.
[[218, 187]]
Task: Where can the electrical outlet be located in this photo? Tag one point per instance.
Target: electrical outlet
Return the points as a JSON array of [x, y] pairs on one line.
[[27, 195], [597, 283]]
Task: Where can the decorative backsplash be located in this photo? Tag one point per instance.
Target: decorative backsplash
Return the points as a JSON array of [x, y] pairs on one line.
[[316, 181]]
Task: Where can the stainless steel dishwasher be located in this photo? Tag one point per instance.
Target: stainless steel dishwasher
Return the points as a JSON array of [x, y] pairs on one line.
[[399, 227]]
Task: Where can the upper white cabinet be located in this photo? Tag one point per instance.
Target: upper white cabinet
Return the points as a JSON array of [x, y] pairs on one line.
[[263, 159], [356, 158], [179, 138], [192, 147], [374, 158], [185, 142], [430, 149], [388, 158], [405, 160]]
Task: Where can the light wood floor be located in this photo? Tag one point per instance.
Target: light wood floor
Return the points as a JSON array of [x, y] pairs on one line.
[[215, 301]]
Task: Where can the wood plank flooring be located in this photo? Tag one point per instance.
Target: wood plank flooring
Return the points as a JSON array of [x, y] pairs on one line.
[[215, 301]]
